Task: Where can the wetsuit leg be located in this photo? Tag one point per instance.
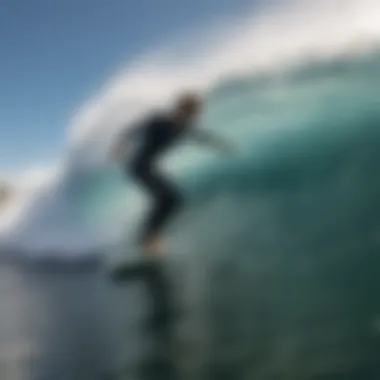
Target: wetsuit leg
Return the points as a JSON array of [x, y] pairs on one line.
[[167, 201]]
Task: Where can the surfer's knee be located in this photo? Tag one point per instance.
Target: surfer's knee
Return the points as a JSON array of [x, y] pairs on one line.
[[179, 202], [174, 201]]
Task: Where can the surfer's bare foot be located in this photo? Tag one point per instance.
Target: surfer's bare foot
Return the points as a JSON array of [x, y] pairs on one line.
[[154, 247]]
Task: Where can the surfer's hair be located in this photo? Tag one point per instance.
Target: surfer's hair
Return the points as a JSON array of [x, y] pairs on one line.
[[189, 101]]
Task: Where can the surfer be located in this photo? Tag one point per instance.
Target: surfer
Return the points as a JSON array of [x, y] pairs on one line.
[[154, 137]]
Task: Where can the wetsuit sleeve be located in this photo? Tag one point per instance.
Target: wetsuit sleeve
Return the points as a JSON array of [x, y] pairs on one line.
[[127, 135], [133, 132], [202, 136], [208, 138]]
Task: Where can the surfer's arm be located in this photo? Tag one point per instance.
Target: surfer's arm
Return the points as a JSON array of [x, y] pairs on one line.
[[122, 141], [212, 140]]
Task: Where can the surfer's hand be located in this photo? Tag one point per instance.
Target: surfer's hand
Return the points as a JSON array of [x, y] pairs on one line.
[[229, 149]]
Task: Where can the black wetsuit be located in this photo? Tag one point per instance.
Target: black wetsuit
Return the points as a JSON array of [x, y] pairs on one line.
[[156, 136]]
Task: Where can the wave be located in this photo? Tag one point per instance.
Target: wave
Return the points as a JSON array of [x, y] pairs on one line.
[[298, 126]]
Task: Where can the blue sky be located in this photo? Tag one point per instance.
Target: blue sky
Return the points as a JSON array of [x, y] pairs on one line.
[[56, 54]]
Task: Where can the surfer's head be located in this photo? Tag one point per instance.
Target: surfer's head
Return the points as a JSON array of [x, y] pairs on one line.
[[188, 107]]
